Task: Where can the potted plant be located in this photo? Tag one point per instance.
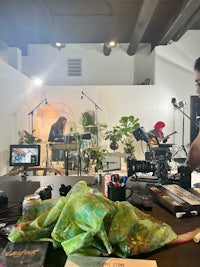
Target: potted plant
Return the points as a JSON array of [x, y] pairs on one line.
[[128, 124], [114, 135], [88, 122], [27, 138], [122, 133], [96, 156]]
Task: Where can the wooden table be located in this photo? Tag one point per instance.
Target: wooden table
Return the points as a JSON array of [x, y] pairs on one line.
[[181, 255]]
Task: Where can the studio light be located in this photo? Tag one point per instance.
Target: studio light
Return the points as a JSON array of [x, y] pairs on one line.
[[37, 81], [182, 104], [111, 44]]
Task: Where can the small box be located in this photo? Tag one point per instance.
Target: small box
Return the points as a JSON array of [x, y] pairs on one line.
[[26, 254]]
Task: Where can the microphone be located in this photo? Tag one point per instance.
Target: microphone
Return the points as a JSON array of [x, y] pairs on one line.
[[46, 101], [174, 102], [81, 93]]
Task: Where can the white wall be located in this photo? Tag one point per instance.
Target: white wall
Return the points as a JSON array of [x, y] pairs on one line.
[[16, 99], [51, 64]]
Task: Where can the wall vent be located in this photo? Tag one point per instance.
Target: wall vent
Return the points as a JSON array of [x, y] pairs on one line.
[[74, 67]]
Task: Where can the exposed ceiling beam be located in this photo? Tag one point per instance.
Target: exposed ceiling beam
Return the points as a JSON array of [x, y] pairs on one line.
[[195, 17], [181, 20], [146, 12]]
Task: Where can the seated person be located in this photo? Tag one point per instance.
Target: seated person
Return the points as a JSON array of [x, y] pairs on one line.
[[156, 134], [57, 130]]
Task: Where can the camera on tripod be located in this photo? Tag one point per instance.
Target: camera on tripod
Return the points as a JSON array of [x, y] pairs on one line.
[[134, 166]]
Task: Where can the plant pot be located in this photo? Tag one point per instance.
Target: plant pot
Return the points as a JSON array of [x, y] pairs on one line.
[[114, 145]]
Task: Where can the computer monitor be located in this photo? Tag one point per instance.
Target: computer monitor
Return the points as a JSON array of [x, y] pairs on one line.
[[111, 163], [24, 155]]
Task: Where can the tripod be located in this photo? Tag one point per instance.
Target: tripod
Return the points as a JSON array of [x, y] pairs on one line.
[[181, 108], [47, 161]]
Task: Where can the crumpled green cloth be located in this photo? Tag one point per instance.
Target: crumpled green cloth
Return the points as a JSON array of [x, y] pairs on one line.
[[87, 223]]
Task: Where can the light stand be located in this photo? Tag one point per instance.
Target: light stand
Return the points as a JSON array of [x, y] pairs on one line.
[[32, 112], [47, 161], [181, 108], [96, 111]]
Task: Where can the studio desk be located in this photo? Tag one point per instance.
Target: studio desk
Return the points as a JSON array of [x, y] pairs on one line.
[[180, 255]]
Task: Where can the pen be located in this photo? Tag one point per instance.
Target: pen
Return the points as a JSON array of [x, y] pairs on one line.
[[124, 180]]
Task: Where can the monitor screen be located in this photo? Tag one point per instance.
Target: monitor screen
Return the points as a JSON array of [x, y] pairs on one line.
[[25, 155], [111, 163]]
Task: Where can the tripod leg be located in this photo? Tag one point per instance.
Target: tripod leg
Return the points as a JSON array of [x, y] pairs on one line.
[[66, 159]]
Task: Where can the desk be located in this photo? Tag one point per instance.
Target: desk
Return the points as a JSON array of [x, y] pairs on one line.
[[181, 255]]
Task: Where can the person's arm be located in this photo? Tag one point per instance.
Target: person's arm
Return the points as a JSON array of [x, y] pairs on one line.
[[153, 139], [165, 139], [52, 134], [193, 157]]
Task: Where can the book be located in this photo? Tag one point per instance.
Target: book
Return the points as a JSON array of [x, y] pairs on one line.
[[26, 254], [177, 200]]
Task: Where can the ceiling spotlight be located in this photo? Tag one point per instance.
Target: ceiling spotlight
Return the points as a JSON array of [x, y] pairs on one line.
[[111, 44], [58, 45], [107, 48]]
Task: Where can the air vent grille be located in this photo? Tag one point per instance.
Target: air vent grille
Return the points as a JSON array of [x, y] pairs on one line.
[[75, 67]]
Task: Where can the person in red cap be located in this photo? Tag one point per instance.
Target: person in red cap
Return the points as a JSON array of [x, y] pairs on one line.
[[156, 134]]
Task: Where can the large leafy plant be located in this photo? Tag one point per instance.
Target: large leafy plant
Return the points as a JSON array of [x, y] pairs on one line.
[[96, 156], [88, 122], [123, 132]]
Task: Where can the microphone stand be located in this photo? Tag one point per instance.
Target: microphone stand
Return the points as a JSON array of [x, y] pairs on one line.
[[32, 112], [96, 112]]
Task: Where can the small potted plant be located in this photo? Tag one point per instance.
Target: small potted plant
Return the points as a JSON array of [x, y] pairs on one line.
[[96, 156], [27, 138], [114, 135]]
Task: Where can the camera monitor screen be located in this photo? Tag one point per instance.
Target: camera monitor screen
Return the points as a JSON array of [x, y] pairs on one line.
[[25, 155], [111, 163]]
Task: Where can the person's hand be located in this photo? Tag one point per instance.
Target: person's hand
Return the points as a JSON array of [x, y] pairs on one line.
[[165, 139]]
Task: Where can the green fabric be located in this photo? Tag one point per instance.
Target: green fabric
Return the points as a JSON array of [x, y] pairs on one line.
[[85, 222]]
